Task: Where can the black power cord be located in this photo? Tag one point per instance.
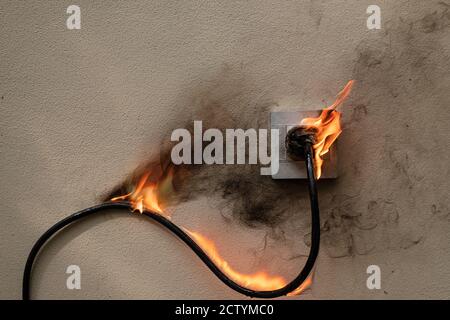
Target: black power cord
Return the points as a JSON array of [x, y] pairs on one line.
[[291, 286]]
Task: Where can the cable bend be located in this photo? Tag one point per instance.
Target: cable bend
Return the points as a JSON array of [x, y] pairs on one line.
[[291, 286]]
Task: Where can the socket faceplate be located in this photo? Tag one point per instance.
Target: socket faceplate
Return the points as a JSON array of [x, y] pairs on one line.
[[291, 169]]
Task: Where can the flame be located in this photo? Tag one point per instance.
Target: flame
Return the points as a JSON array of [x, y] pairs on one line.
[[145, 195], [327, 126], [149, 192], [305, 285], [257, 281]]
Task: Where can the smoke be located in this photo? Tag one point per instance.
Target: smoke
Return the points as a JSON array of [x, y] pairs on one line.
[[240, 192], [386, 146]]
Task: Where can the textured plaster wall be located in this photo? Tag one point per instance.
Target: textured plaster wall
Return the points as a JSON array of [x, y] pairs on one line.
[[81, 109]]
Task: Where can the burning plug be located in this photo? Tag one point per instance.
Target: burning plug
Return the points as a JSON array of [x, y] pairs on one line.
[[296, 140], [320, 128], [294, 132]]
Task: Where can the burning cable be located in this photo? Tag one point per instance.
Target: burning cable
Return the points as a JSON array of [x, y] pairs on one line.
[[308, 141], [186, 238]]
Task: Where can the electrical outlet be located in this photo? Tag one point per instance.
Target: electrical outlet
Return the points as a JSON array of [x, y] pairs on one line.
[[292, 169]]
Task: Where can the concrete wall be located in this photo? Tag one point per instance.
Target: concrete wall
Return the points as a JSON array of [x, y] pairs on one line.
[[80, 109]]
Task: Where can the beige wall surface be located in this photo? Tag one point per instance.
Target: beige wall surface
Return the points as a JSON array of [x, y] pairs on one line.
[[80, 109]]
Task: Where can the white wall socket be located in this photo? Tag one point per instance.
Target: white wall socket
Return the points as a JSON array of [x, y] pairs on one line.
[[291, 169]]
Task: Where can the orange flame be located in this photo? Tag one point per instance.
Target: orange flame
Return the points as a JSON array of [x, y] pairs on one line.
[[145, 196], [305, 285], [256, 281], [146, 193], [152, 186], [327, 126]]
